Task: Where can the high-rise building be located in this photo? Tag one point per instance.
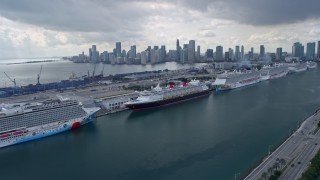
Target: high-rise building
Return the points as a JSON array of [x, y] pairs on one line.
[[262, 52], [297, 50], [198, 54], [209, 55], [124, 53], [191, 51], [143, 57], [118, 49], [90, 54], [105, 56], [178, 50], [237, 53], [182, 54], [185, 50], [148, 50], [251, 54], [242, 52], [231, 54], [226, 56], [94, 54], [318, 55], [162, 53], [279, 53], [112, 58], [133, 50], [153, 56], [219, 53], [94, 48], [311, 51]]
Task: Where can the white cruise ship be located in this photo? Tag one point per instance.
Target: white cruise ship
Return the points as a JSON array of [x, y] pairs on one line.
[[276, 71], [297, 67], [312, 65], [237, 80], [23, 122]]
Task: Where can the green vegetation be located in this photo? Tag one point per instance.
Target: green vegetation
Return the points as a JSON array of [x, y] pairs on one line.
[[316, 130], [313, 171], [275, 175], [274, 172]]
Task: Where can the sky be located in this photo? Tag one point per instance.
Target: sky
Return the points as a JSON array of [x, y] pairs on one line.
[[45, 28]]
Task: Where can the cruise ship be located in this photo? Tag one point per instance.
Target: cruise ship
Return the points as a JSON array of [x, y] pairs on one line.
[[23, 122], [173, 94], [297, 67], [276, 71], [237, 80], [312, 65]]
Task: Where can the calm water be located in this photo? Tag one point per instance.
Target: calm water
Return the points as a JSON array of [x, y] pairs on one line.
[[209, 138], [56, 71]]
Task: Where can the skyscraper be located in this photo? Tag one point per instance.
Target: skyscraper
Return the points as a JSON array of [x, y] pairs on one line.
[[226, 56], [279, 53], [251, 54], [178, 50], [219, 53], [209, 54], [118, 49], [311, 51], [90, 54], [143, 57], [162, 53], [237, 53], [153, 56], [242, 52], [191, 51], [297, 50], [133, 50], [94, 54], [182, 58], [262, 52], [231, 55], [198, 54]]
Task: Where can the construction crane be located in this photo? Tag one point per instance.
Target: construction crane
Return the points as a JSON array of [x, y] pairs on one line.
[[13, 81], [39, 75]]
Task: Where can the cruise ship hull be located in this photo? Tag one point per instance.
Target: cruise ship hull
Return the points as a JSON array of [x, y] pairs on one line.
[[32, 133], [180, 99]]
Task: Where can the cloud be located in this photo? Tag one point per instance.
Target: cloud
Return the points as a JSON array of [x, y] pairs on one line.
[[261, 12], [67, 27]]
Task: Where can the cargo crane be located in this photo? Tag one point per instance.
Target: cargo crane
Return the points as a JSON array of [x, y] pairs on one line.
[[39, 75], [13, 81]]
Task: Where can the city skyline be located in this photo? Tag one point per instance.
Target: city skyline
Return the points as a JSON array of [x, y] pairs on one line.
[[71, 27]]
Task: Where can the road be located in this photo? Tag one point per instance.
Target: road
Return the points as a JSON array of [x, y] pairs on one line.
[[297, 151]]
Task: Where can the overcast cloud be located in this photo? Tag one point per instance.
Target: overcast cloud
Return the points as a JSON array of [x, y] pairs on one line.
[[65, 27]]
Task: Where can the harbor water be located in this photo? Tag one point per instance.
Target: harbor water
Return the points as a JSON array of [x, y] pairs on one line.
[[219, 137], [26, 73]]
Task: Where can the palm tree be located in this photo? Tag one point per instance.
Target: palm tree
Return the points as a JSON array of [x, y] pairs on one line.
[[276, 166], [264, 175], [282, 162], [270, 170]]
